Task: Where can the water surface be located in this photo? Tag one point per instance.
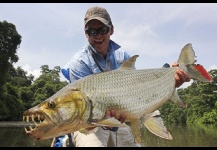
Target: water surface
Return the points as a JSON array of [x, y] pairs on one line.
[[12, 134]]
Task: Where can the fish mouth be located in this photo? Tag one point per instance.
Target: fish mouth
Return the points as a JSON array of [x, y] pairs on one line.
[[36, 122]]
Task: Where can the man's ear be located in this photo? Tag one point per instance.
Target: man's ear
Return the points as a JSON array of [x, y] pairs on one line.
[[87, 36], [112, 29]]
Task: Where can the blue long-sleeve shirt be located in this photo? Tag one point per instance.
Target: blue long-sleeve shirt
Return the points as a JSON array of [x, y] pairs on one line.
[[82, 63]]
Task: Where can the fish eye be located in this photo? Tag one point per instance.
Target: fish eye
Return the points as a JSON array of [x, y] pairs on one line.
[[51, 104]]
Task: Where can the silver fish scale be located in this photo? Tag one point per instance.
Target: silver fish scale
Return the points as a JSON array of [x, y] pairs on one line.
[[134, 92]]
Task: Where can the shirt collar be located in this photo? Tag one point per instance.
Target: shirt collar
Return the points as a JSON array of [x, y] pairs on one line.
[[112, 47]]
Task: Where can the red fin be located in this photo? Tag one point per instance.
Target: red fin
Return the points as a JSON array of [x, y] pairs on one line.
[[203, 71]]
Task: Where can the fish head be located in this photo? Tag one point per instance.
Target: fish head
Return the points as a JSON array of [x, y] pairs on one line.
[[60, 114]]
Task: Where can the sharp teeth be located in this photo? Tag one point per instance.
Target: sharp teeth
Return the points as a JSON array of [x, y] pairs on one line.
[[32, 117], [39, 117], [30, 128], [26, 130], [27, 118], [35, 124], [23, 118]]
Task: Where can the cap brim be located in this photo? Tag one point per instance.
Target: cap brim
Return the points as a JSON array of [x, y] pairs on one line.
[[100, 19]]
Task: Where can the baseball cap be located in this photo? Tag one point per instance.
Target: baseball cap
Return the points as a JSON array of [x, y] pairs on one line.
[[98, 13]]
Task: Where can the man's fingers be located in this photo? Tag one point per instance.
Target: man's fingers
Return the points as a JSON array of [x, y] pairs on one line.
[[122, 118], [175, 64], [181, 77], [107, 114], [178, 82], [112, 113]]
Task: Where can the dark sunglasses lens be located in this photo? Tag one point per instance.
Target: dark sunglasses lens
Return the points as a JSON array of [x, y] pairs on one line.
[[103, 30], [91, 32]]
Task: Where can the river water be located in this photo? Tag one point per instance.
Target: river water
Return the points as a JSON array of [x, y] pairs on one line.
[[12, 134]]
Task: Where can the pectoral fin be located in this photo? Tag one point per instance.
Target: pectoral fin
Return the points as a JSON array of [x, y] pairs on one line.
[[84, 131], [109, 122], [154, 123]]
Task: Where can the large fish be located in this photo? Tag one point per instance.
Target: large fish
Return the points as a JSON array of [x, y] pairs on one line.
[[136, 93]]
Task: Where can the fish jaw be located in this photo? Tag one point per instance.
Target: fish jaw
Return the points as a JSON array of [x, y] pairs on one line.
[[58, 115]]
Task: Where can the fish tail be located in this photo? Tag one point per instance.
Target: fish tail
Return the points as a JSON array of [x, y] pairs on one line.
[[187, 61], [198, 72]]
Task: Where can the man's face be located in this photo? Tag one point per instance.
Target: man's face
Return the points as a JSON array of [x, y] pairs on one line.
[[99, 41]]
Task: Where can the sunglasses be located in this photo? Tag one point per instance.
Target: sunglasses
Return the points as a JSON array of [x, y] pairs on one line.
[[93, 32]]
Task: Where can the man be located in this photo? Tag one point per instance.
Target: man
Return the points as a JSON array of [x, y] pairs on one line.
[[100, 54]]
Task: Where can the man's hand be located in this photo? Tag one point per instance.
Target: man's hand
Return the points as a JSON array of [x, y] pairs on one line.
[[180, 76], [112, 113]]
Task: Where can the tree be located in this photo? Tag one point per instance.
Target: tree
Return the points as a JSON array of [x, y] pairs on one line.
[[18, 92], [46, 84], [9, 43], [201, 99]]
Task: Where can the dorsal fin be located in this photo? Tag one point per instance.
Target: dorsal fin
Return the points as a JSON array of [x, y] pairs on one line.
[[187, 55], [129, 64]]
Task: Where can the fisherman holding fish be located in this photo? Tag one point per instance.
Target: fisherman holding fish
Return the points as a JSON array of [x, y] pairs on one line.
[[102, 54]]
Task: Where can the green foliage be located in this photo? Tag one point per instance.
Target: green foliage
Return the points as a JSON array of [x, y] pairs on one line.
[[201, 103], [26, 96], [4, 110], [209, 117], [22, 93], [169, 113], [12, 103], [18, 92], [9, 42]]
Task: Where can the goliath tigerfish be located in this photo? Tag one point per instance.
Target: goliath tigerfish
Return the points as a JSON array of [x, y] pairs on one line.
[[136, 93]]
